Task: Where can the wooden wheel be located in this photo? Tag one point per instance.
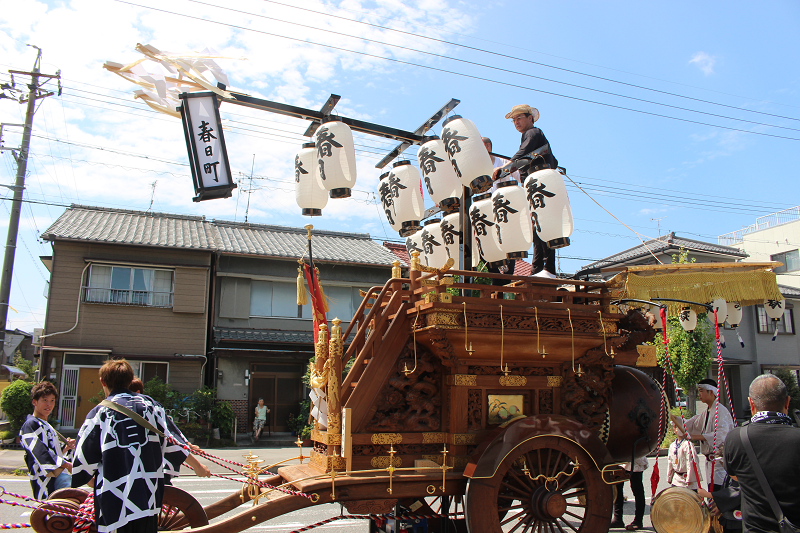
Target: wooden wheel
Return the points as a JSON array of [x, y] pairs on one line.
[[43, 522], [538, 488], [179, 509]]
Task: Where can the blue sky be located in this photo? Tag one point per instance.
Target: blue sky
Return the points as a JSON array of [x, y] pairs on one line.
[[700, 180]]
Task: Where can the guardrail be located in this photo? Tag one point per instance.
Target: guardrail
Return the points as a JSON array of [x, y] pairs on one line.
[[127, 297], [768, 221]]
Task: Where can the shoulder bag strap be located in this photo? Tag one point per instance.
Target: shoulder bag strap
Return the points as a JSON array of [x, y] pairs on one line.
[[776, 509], [132, 415]]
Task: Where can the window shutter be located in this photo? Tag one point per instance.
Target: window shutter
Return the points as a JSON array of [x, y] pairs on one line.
[[234, 299], [191, 286]]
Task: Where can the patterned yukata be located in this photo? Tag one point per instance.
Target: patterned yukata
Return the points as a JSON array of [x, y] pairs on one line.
[[127, 461], [703, 423], [43, 455]]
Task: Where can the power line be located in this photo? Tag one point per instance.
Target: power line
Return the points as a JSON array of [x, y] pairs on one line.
[[460, 74]]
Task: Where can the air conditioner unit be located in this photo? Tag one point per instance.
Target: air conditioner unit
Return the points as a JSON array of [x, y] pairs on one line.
[[37, 336]]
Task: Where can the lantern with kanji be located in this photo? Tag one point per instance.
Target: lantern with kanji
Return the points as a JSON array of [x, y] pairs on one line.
[[482, 218], [433, 244], [468, 155], [734, 314], [309, 193], [401, 197], [450, 227], [512, 219], [336, 158], [549, 203], [414, 244], [688, 319], [721, 307], [774, 310], [439, 175]]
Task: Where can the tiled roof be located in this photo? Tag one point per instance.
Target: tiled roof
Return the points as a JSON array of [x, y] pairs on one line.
[[267, 336], [660, 245], [400, 251], [522, 268], [789, 292], [97, 224]]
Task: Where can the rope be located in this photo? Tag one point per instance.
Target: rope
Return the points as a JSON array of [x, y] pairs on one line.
[[249, 481], [14, 526], [371, 517]]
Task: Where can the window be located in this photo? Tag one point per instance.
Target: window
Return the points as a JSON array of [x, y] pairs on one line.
[[273, 298], [129, 286], [149, 370], [790, 260], [767, 325]]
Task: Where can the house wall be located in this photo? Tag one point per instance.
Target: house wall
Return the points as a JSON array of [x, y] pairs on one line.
[[762, 244], [129, 329]]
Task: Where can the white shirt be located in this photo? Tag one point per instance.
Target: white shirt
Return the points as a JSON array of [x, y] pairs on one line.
[[499, 162], [699, 424]]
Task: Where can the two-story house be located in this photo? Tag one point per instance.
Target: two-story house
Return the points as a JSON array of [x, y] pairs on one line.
[[125, 284], [262, 339]]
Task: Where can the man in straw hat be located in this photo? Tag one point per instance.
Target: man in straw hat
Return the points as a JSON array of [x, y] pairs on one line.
[[524, 116]]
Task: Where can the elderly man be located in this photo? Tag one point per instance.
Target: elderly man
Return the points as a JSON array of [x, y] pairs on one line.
[[523, 116], [711, 429], [774, 443]]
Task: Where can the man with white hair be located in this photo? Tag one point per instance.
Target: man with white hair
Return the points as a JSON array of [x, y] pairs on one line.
[[711, 429]]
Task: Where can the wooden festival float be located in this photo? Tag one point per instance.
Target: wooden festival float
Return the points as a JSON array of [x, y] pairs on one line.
[[495, 407]]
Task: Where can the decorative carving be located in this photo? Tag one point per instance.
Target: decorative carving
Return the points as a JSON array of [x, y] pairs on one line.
[[555, 381], [460, 462], [327, 463], [642, 416], [370, 506], [513, 381], [605, 429], [445, 297], [386, 438], [475, 409], [383, 462], [579, 325], [443, 320], [434, 438], [440, 344], [435, 458], [367, 450], [585, 397], [647, 356], [465, 380], [412, 402], [546, 401], [492, 370], [634, 330], [465, 438], [326, 438]]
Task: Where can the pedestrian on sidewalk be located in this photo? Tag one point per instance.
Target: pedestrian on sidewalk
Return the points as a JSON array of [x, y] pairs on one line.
[[637, 487], [48, 466], [260, 419]]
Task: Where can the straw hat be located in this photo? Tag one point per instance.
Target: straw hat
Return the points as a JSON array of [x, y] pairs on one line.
[[523, 109]]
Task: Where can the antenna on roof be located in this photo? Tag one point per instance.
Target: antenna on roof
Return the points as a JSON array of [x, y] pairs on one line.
[[658, 221], [152, 194], [250, 189]]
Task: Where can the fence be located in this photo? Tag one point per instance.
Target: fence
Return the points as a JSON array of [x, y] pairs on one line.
[[769, 221]]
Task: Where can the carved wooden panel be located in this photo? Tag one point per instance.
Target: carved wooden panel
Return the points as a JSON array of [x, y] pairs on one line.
[[410, 402], [580, 325], [370, 506], [373, 450], [490, 370], [475, 409], [545, 402], [585, 397]]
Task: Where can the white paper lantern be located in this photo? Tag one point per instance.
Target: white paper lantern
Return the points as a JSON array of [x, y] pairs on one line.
[[387, 201], [309, 193], [468, 155], [439, 176], [549, 203], [656, 312], [482, 219], [722, 310], [450, 228], [512, 217], [433, 244], [774, 308], [414, 244], [734, 314], [688, 319], [403, 185], [336, 158]]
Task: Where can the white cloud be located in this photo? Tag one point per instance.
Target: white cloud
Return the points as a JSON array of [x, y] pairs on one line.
[[704, 62]]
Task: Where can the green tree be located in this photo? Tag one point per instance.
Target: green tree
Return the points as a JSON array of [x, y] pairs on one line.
[[16, 403], [791, 387], [24, 365]]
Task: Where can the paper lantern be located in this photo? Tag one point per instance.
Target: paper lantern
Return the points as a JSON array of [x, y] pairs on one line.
[[658, 325], [482, 219], [309, 193], [774, 308], [336, 158], [414, 244], [467, 153], [688, 319], [433, 244], [722, 310], [512, 217], [402, 186], [734, 314], [439, 175], [549, 203], [450, 227]]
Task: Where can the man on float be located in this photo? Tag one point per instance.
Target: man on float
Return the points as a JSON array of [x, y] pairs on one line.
[[701, 428], [524, 116]]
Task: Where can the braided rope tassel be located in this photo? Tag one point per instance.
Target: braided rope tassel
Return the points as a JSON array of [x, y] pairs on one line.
[[14, 526]]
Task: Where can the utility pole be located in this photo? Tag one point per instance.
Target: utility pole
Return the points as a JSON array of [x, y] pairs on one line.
[[34, 93]]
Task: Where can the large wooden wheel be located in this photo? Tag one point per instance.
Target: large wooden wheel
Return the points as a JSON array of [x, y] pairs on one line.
[[538, 487]]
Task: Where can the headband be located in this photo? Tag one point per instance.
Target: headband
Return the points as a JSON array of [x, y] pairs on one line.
[[711, 388]]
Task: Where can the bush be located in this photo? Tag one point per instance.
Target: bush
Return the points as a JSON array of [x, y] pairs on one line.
[[202, 400], [25, 365], [222, 417], [164, 394], [787, 376], [16, 403], [299, 423]]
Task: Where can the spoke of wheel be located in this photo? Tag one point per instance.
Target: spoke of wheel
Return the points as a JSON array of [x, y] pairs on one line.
[[505, 509], [568, 525], [573, 481], [557, 464], [539, 453], [164, 515], [526, 494], [552, 527], [528, 524], [580, 491], [576, 505], [519, 524], [560, 529], [549, 457], [573, 515], [172, 522], [507, 520], [523, 480], [508, 497]]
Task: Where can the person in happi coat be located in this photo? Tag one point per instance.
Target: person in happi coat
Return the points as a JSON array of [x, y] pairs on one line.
[[123, 460], [701, 427], [48, 466], [682, 467]]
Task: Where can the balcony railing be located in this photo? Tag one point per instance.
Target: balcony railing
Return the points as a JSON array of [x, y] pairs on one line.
[[768, 221], [127, 297]]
